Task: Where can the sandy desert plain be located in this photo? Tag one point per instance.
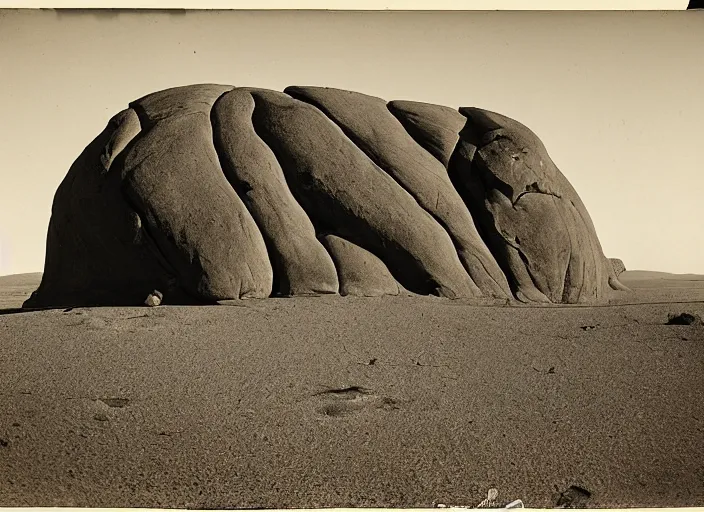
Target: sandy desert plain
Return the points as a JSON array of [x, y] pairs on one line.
[[342, 401]]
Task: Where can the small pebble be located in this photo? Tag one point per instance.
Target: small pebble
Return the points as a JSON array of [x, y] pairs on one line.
[[154, 299], [684, 319]]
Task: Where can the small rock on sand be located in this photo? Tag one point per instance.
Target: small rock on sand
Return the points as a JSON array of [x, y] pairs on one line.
[[574, 497], [684, 319], [154, 299]]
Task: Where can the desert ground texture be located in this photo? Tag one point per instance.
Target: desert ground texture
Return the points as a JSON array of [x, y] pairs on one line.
[[333, 401]]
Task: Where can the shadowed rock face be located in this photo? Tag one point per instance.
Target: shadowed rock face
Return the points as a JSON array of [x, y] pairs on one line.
[[210, 192]]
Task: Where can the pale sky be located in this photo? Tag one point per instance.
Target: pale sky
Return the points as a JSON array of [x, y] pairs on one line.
[[616, 98]]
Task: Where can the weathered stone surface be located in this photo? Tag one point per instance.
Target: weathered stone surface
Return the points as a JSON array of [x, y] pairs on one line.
[[360, 272], [301, 264], [127, 127], [617, 265], [532, 218], [435, 127], [178, 101], [172, 176], [366, 120], [212, 193], [96, 252], [346, 194]]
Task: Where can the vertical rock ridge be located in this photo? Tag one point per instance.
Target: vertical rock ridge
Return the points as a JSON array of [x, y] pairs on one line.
[[222, 160], [348, 187], [215, 245], [300, 263], [419, 174]]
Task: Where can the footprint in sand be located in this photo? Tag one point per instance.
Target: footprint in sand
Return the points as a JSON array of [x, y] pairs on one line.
[[104, 407], [149, 321], [87, 319], [95, 323], [117, 403], [352, 400]]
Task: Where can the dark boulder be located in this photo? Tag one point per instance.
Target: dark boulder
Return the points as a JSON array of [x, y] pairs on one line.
[[684, 319]]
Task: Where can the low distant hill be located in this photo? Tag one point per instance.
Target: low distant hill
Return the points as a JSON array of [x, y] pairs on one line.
[[650, 274], [15, 288], [32, 278]]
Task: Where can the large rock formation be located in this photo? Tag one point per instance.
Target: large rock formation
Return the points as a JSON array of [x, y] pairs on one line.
[[210, 192]]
